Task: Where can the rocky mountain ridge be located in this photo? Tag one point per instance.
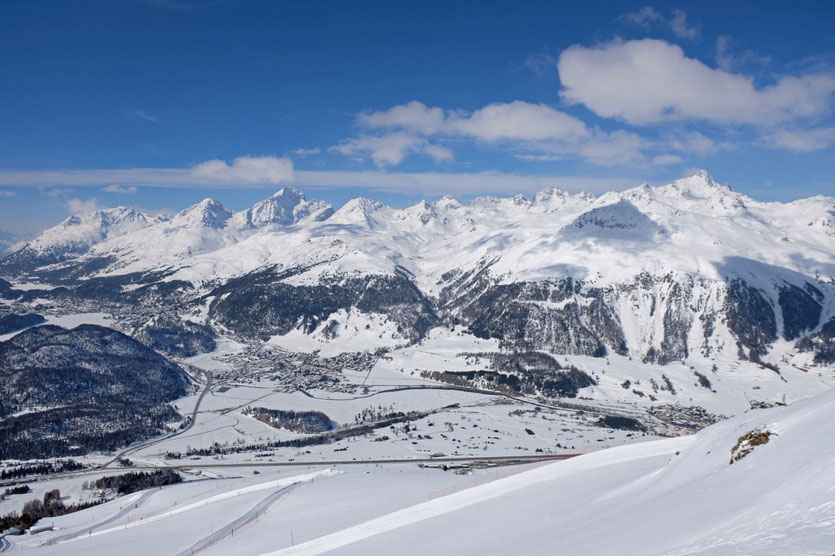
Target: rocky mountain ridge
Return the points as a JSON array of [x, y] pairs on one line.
[[687, 270]]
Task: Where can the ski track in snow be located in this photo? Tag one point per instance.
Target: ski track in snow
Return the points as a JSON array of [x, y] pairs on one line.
[[279, 483]]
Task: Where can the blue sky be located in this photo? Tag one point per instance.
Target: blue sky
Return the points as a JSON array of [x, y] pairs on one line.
[[160, 103]]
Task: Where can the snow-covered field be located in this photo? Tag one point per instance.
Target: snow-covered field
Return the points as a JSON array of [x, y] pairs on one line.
[[673, 496], [70, 321]]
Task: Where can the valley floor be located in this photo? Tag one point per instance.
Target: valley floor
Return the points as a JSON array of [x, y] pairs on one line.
[[673, 496]]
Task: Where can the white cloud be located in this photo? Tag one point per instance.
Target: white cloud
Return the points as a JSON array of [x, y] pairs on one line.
[[414, 116], [517, 121], [695, 142], [306, 152], [246, 169], [618, 147], [801, 141], [435, 183], [7, 193], [80, 206], [729, 60], [116, 188], [648, 16], [533, 131], [645, 17], [438, 153], [650, 81], [425, 182], [390, 149], [680, 27]]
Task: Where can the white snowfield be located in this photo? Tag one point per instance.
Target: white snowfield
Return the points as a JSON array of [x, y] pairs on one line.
[[81, 231], [692, 225], [692, 233], [677, 496], [278, 483]]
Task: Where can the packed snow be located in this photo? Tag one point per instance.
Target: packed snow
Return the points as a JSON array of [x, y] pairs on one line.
[[673, 496]]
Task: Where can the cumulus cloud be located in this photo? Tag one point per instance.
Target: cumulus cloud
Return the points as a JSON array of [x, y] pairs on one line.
[[414, 116], [650, 81], [518, 121], [695, 142], [611, 149], [246, 169], [390, 149], [515, 121], [647, 17], [80, 206], [116, 188], [801, 141], [530, 131]]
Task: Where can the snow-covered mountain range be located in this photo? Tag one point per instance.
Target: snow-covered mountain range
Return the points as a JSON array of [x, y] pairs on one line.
[[74, 236], [691, 269]]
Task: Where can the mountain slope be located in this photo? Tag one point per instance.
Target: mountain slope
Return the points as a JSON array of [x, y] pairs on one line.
[[691, 270], [677, 496], [74, 236], [87, 388]]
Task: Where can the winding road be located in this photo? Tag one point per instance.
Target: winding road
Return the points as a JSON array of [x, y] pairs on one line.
[[131, 449]]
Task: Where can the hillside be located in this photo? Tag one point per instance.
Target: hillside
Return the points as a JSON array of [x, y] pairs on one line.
[[74, 391], [687, 271], [679, 496], [674, 496]]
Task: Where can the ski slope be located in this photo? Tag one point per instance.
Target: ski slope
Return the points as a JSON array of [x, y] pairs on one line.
[[676, 496]]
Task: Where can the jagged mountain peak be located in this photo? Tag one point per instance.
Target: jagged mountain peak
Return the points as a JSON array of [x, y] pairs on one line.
[[207, 213], [700, 184], [75, 235], [286, 207], [447, 202], [555, 198], [289, 193]]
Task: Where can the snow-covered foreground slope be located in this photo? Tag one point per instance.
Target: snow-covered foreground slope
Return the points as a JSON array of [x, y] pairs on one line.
[[676, 496], [679, 496]]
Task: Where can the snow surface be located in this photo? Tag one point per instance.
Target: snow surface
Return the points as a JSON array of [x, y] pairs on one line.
[[679, 496], [693, 225], [675, 496], [79, 232], [69, 321]]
